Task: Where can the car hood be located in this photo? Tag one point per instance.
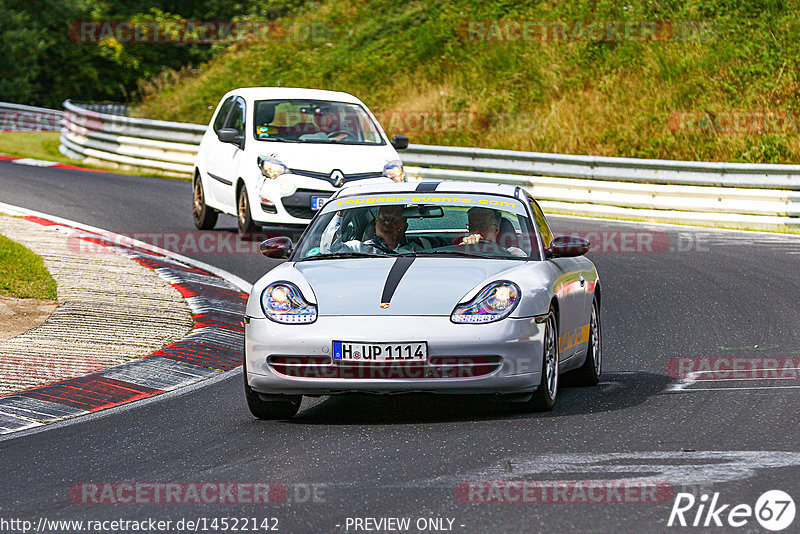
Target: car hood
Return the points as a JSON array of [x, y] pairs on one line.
[[430, 286], [319, 157]]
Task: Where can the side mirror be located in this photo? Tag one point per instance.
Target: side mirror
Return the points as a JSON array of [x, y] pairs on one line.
[[399, 142], [276, 247], [229, 135], [568, 246]]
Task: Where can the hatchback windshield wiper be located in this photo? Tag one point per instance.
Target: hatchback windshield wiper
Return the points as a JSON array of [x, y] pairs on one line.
[[336, 255], [281, 140]]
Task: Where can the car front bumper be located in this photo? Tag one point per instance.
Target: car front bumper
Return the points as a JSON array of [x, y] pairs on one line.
[[502, 357], [287, 199]]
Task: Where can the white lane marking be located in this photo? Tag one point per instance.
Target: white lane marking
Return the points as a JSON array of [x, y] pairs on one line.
[[764, 370], [763, 388], [683, 385], [34, 162], [672, 467]]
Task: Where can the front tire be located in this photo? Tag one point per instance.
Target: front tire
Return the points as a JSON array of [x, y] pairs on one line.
[[272, 409], [588, 374], [204, 217], [544, 398], [244, 217]]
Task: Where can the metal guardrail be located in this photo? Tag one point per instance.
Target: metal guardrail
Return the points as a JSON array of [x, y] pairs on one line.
[[753, 195], [163, 146], [656, 171], [16, 117], [109, 108]]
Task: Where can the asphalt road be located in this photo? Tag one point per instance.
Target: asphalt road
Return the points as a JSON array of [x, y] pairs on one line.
[[698, 294]]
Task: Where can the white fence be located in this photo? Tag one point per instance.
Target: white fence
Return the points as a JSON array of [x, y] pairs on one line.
[[731, 194]]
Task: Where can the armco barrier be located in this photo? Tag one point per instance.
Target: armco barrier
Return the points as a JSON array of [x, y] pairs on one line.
[[16, 117], [730, 194]]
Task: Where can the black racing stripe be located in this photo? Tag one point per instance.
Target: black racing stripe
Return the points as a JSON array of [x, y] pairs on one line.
[[427, 187], [396, 274]]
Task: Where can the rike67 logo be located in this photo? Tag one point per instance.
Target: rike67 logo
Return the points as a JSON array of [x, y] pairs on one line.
[[774, 510]]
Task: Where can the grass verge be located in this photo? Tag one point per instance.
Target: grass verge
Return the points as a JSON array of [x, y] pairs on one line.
[[23, 273], [722, 87]]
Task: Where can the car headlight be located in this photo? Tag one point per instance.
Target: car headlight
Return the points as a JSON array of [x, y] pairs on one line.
[[394, 170], [271, 167], [282, 302], [494, 302]]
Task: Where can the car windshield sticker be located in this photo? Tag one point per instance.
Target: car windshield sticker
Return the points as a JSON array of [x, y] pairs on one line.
[[460, 200], [266, 131]]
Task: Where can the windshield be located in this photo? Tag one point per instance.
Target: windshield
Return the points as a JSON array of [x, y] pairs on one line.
[[479, 226], [314, 121]]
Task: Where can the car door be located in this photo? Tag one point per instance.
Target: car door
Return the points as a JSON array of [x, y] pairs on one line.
[[568, 288], [223, 159]]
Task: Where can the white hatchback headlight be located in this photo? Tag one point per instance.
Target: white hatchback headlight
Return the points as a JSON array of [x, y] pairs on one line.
[[493, 303], [271, 167], [282, 302]]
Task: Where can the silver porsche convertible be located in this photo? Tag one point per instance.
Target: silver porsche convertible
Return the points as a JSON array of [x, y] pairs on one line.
[[438, 287]]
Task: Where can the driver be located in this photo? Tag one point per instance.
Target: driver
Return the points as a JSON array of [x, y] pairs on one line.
[[327, 123], [390, 234], [483, 225], [390, 231]]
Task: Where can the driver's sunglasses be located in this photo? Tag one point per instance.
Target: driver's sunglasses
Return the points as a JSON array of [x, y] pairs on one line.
[[388, 219]]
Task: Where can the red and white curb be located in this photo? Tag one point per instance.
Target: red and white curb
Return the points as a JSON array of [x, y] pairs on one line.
[[215, 344], [43, 163]]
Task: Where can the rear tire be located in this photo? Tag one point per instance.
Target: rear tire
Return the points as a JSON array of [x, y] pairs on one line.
[[588, 374], [244, 217], [544, 398], [272, 409], [204, 217]]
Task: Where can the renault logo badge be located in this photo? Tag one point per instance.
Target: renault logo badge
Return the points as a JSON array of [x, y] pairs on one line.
[[337, 177]]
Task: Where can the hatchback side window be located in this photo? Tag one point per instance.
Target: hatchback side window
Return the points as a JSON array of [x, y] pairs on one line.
[[219, 121], [541, 223], [236, 118]]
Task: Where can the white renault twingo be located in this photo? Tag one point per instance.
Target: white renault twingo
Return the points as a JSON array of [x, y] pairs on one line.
[[273, 155]]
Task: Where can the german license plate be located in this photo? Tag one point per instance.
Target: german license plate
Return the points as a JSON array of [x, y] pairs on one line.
[[318, 202], [346, 351]]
